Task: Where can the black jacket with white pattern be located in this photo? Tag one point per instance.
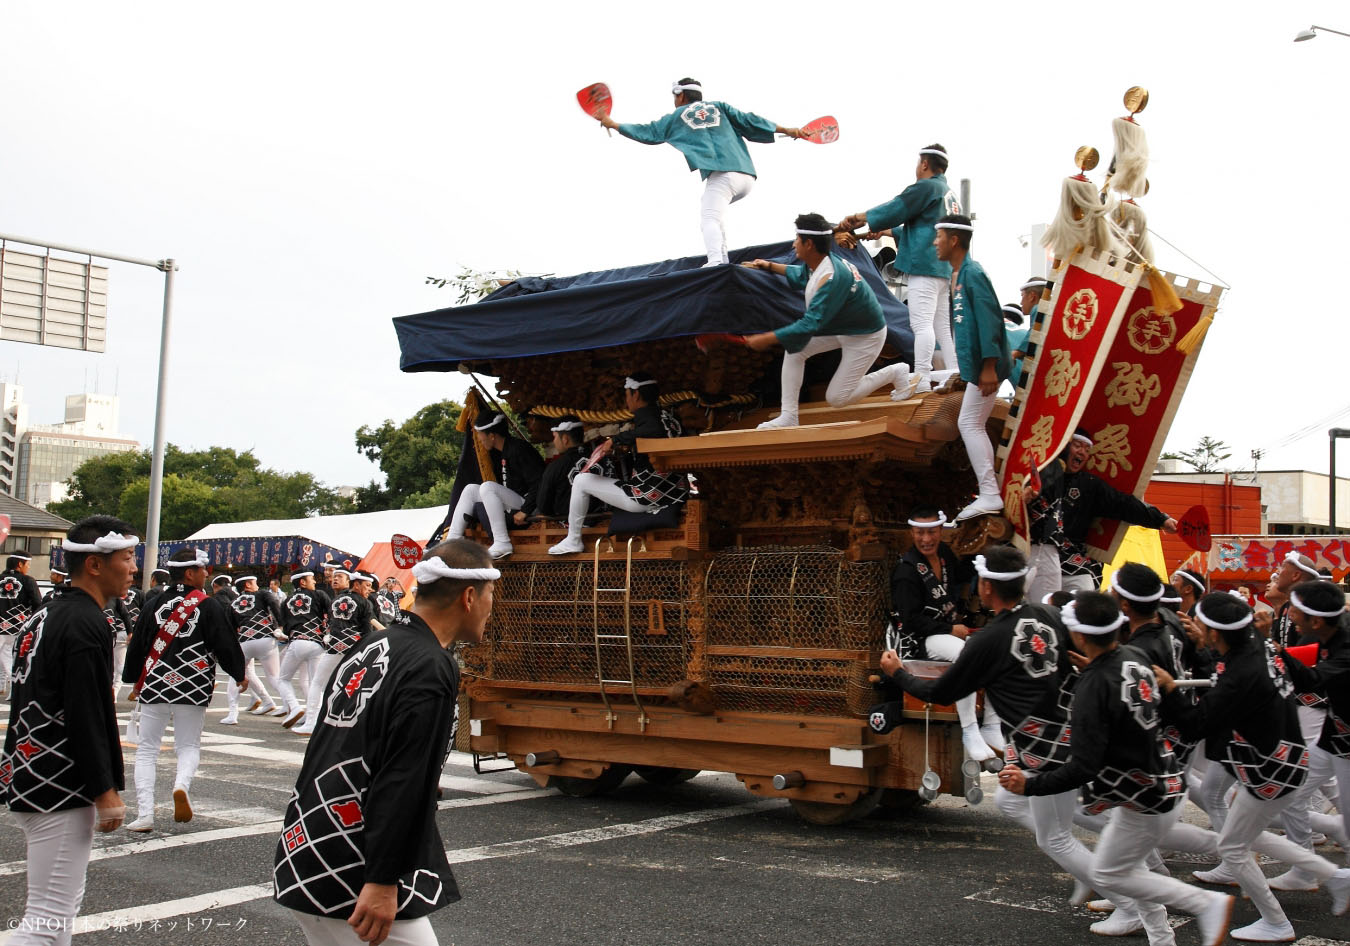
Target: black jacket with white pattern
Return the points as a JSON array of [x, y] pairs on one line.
[[186, 671]]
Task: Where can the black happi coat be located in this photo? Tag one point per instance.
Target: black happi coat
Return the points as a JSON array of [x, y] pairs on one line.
[[133, 601], [364, 806], [1021, 661], [306, 614], [349, 622], [1117, 751], [641, 481], [1160, 644], [1247, 723], [386, 606], [186, 671], [518, 465], [1330, 677], [1069, 502], [256, 615], [19, 600], [62, 748], [924, 604], [551, 495]]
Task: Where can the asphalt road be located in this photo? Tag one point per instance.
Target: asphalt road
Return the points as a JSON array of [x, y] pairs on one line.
[[699, 862]]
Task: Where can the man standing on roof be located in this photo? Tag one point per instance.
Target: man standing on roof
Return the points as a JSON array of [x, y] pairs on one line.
[[910, 218], [841, 312], [19, 600], [711, 136]]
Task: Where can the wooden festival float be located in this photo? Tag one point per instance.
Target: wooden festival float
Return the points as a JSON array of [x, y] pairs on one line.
[[744, 635]]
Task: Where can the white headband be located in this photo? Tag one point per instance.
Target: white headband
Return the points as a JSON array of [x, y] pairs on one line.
[[496, 419], [298, 575], [1297, 602], [982, 569], [342, 571], [1045, 599], [1084, 438], [362, 576], [1294, 559], [21, 557], [434, 569], [1246, 619], [953, 226], [220, 578], [243, 578], [1012, 308], [941, 520], [631, 385], [676, 88], [1191, 578], [112, 542], [1116, 587], [1069, 615], [1033, 284], [816, 232], [567, 425], [936, 151], [202, 560]]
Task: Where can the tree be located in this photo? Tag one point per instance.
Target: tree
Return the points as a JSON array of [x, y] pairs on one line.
[[414, 456], [1205, 457]]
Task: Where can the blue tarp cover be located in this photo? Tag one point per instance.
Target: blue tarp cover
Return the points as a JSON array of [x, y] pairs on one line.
[[669, 299]]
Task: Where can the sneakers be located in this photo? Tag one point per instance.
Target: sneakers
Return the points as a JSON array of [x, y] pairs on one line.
[[976, 747], [569, 546], [1221, 875], [982, 506], [260, 710], [1120, 923], [295, 717], [1263, 931], [782, 420], [1294, 879], [1338, 885], [1213, 920], [182, 805], [500, 549], [230, 719], [1100, 906]]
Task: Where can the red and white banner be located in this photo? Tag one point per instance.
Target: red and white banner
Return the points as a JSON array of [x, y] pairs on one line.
[[1137, 395], [1067, 349]]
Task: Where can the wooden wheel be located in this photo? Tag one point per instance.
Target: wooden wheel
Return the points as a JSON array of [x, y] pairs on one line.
[[579, 787], [824, 813], [900, 800], [662, 775]]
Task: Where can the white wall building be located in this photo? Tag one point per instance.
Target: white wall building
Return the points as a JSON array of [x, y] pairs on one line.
[[1293, 502]]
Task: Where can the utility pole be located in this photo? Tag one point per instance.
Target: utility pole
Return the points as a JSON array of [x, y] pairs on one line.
[[1334, 432]]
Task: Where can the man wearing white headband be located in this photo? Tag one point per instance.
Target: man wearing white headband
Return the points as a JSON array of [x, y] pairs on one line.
[[134, 602], [552, 495], [171, 665], [62, 760], [360, 857], [841, 312], [350, 619], [306, 613], [1293, 569], [518, 467], [19, 600], [1190, 586], [981, 354], [59, 585], [1250, 724], [1018, 328], [255, 615], [711, 136], [910, 218], [644, 488], [1119, 758]]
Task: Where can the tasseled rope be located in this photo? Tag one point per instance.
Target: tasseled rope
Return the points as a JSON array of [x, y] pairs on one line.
[[467, 417]]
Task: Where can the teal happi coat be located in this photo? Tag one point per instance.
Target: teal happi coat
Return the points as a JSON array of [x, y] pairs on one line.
[[977, 323], [843, 305], [910, 215], [710, 135]]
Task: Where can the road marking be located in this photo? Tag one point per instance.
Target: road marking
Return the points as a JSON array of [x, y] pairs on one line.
[[1055, 904], [236, 895]]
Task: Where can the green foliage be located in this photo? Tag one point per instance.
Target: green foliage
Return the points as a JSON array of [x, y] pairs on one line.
[[1205, 457], [200, 487], [414, 456]]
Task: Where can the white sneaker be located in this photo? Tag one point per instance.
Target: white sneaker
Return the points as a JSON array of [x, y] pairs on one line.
[[182, 805], [1213, 920], [782, 420], [1221, 875], [1119, 923], [568, 546], [982, 506], [1263, 931], [500, 549], [976, 748], [1100, 906], [141, 825], [1294, 879], [230, 719], [1338, 885], [267, 710]]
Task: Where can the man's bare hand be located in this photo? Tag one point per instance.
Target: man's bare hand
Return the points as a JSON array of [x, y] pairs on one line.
[[852, 222], [1013, 779], [1165, 679], [374, 913], [763, 341], [847, 240], [890, 663], [109, 812]]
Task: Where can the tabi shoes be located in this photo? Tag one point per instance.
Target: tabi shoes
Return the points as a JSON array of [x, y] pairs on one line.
[[1213, 920], [1081, 893], [277, 711], [230, 719], [782, 420], [182, 805], [262, 710], [1119, 923], [568, 546], [1294, 879], [976, 747], [303, 729], [295, 717], [142, 825], [500, 549], [254, 708], [1263, 931], [1338, 885], [903, 385], [982, 506], [1221, 875], [1100, 906]]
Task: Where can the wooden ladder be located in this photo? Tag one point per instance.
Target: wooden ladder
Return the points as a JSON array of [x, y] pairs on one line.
[[626, 593]]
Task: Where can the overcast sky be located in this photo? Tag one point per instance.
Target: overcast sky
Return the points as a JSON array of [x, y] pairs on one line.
[[310, 164]]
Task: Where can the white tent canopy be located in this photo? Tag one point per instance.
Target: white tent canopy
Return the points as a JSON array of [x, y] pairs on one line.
[[354, 533]]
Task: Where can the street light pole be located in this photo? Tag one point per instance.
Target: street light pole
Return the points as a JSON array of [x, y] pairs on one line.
[[1311, 33], [1334, 432]]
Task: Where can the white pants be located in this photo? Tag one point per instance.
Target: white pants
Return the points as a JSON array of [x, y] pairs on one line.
[[1118, 865], [1044, 576], [332, 931], [1331, 825], [1050, 819], [720, 191], [6, 659], [948, 647], [591, 485], [931, 321], [1077, 583], [299, 654], [119, 659], [318, 685], [496, 499], [851, 380], [187, 748], [1214, 793], [58, 854], [264, 651], [975, 411]]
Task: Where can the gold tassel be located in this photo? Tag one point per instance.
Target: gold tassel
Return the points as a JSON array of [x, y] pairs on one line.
[[472, 407], [1165, 298], [1195, 336]]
